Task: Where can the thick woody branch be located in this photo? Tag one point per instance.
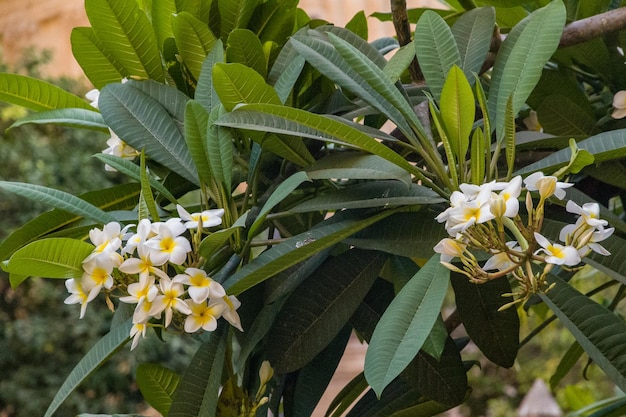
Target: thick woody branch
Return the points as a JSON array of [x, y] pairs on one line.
[[592, 27], [400, 19]]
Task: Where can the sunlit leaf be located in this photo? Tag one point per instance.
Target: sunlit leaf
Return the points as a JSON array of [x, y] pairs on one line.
[[244, 47], [157, 385], [36, 94], [194, 40], [100, 67]]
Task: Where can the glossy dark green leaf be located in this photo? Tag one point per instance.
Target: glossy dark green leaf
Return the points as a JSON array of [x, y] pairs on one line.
[[194, 41], [318, 308], [157, 385], [316, 375], [274, 20], [244, 47], [78, 118], [198, 390], [496, 333], [569, 359], [234, 14], [598, 330], [358, 25], [558, 115]]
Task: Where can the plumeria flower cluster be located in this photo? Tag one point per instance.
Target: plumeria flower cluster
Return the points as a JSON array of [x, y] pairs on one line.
[[487, 218], [154, 269]]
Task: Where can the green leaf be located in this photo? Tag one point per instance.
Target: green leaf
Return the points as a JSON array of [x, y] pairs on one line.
[[291, 148], [405, 325], [157, 385], [244, 47], [205, 92], [58, 199], [219, 149], [96, 356], [291, 121], [521, 58], [358, 25], [194, 41], [477, 158], [234, 14], [473, 32], [568, 360], [348, 394], [496, 333], [196, 128], [436, 50], [36, 94], [144, 122], [162, 12], [80, 118], [50, 258], [126, 34], [605, 146], [120, 197], [214, 241], [509, 138], [315, 376], [559, 115], [296, 249], [100, 67], [289, 71], [399, 62], [274, 20], [458, 111], [237, 84], [146, 192], [198, 390], [132, 170], [368, 195], [598, 330], [356, 165], [322, 304]]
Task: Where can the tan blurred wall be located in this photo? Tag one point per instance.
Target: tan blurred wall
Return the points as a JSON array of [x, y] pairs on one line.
[[48, 24]]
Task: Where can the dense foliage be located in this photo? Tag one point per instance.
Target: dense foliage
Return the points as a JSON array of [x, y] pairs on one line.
[[291, 185]]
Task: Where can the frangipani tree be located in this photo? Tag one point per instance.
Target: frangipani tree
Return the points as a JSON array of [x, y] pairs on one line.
[[270, 214]]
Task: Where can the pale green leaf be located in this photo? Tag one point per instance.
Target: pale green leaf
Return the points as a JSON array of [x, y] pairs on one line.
[[157, 385], [37, 94], [126, 34], [436, 50], [100, 67], [457, 111], [71, 117], [521, 58], [194, 41], [96, 356], [50, 258], [234, 14], [405, 325], [237, 84], [399, 62]]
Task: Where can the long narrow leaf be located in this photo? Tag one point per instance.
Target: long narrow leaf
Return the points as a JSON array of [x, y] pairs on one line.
[[598, 330], [234, 14], [194, 41], [219, 149], [100, 67], [405, 325], [244, 47], [58, 199], [157, 385], [80, 118], [96, 356], [205, 91], [36, 94], [473, 32], [237, 84]]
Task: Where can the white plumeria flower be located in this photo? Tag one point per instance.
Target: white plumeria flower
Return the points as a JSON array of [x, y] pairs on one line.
[[168, 245], [107, 241], [117, 147], [508, 198], [502, 260], [203, 316], [93, 96], [592, 244], [142, 265], [136, 332], [619, 104], [589, 213], [141, 291], [201, 286], [449, 249], [467, 214], [78, 295], [97, 275], [144, 232], [546, 185], [230, 314], [210, 218], [557, 254], [169, 300]]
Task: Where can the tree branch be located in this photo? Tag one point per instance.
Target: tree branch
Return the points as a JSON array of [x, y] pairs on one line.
[[592, 27], [400, 19]]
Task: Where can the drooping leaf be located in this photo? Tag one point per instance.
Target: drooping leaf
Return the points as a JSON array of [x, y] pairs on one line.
[[198, 390], [436, 50], [316, 375], [496, 333], [295, 250], [318, 308], [145, 123], [598, 330], [96, 356], [36, 94], [100, 67], [244, 47], [521, 58], [80, 118], [58, 199], [50, 258], [194, 41], [473, 32], [157, 385], [126, 34], [405, 325], [205, 91]]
